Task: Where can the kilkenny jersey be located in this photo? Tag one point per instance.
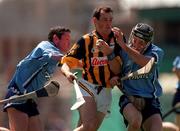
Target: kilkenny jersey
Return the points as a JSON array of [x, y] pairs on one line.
[[94, 63]]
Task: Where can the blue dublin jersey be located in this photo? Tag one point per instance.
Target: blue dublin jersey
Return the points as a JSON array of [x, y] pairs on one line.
[[149, 85], [34, 70]]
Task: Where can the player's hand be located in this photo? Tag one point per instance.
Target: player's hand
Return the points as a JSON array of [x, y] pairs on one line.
[[119, 36], [103, 47], [71, 76], [115, 81]]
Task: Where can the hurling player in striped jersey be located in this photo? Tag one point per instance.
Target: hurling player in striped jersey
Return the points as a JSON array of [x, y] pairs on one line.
[[95, 84]]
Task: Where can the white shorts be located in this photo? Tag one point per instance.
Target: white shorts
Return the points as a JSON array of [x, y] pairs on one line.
[[103, 99]]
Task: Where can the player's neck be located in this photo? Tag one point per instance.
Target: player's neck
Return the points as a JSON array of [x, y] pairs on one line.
[[105, 36]]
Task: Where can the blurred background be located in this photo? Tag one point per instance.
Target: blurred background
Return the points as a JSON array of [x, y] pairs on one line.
[[24, 23]]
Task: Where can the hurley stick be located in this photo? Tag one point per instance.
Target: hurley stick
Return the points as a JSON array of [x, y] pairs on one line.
[[51, 89]]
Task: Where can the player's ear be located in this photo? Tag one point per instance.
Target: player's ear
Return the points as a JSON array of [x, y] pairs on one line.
[[55, 39], [94, 20]]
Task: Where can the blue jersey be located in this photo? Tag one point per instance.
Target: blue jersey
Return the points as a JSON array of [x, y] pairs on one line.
[[176, 64], [148, 87], [34, 70]]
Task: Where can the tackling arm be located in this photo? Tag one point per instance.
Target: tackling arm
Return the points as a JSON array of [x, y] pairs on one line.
[[115, 65]]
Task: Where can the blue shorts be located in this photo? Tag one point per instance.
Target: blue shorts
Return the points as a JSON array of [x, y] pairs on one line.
[[28, 106], [152, 106], [176, 99]]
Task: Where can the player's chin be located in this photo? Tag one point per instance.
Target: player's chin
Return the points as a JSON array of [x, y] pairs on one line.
[[107, 30]]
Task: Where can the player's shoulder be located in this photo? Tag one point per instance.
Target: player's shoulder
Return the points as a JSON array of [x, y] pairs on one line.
[[87, 36], [156, 48], [44, 44]]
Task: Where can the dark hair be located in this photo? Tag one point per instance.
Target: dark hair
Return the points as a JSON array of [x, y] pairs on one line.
[[97, 12], [57, 30]]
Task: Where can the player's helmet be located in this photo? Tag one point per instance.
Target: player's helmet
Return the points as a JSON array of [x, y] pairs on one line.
[[143, 31]]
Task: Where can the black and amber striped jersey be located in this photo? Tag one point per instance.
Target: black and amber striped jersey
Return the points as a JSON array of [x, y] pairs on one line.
[[94, 63]]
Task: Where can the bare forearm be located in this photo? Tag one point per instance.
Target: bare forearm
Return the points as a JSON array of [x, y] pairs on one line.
[[57, 57], [67, 72], [65, 69], [136, 56], [115, 66]]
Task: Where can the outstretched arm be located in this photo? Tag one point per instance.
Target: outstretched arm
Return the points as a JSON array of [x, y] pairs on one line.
[[57, 57], [66, 71]]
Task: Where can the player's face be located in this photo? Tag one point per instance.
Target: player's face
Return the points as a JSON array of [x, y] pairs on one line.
[[138, 44], [64, 42], [104, 24]]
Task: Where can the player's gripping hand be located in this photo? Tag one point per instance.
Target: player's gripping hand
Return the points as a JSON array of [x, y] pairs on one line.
[[103, 47], [115, 81], [119, 35], [70, 76]]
